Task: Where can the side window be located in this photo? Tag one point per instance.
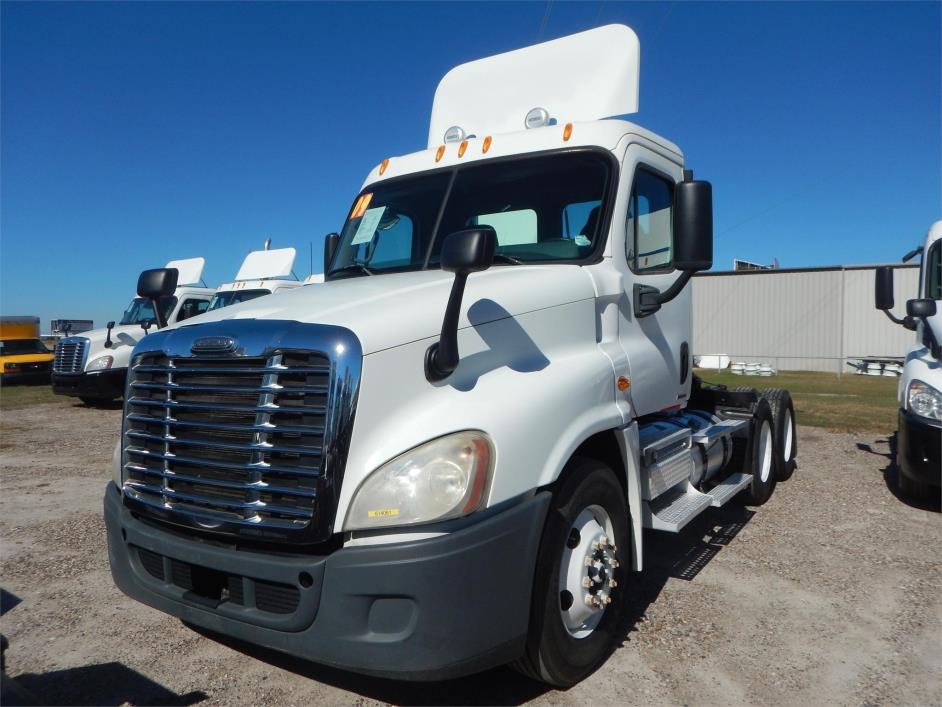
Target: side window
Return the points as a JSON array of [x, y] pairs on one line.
[[649, 236], [192, 307], [934, 271], [513, 227]]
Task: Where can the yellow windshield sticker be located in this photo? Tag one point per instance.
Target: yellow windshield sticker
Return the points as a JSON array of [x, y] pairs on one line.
[[362, 203]]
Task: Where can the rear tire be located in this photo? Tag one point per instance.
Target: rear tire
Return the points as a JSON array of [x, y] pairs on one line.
[[760, 455], [784, 430], [570, 636]]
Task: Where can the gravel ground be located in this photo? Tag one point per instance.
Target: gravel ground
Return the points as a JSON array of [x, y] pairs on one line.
[[828, 594]]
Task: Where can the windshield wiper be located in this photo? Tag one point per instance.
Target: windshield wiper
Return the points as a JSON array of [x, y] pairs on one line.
[[360, 267], [504, 258]]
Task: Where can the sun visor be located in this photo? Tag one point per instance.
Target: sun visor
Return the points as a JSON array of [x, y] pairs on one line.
[[190, 270], [585, 76], [265, 264]]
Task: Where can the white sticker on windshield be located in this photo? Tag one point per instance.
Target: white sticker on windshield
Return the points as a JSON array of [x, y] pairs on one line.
[[368, 225]]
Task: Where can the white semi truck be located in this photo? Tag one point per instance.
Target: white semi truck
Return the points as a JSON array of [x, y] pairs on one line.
[[263, 272], [442, 458], [919, 438], [93, 366]]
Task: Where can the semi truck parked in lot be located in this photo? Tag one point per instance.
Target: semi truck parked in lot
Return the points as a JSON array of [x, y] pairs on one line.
[[93, 366], [919, 438], [442, 458], [23, 356], [263, 272]]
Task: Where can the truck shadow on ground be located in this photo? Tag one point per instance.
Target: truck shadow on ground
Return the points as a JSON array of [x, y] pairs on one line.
[[667, 556], [891, 475], [104, 684]]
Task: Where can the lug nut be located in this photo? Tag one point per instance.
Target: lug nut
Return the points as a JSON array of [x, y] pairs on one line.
[[612, 583], [588, 560], [586, 582]]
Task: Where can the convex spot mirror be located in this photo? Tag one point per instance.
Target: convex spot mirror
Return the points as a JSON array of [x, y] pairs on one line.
[[921, 308], [157, 283], [693, 225]]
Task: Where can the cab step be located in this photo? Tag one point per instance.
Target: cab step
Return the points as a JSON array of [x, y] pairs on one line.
[[728, 488], [671, 511]]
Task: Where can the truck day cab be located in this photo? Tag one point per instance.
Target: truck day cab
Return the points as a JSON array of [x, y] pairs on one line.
[[94, 366], [919, 439], [263, 272], [442, 458]]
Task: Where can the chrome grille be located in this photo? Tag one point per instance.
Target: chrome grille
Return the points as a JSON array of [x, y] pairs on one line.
[[235, 440], [70, 355]]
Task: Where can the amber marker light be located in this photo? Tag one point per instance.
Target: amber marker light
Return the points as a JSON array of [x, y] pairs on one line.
[[382, 166], [623, 383], [567, 132], [439, 153], [487, 144], [462, 148]]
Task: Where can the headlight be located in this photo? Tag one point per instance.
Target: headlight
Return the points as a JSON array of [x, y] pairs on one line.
[[100, 364], [924, 400], [445, 478]]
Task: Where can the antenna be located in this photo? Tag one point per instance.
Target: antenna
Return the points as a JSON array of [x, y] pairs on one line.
[[268, 244], [311, 246]]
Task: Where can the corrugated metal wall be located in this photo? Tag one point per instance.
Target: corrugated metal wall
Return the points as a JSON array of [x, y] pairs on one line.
[[811, 320]]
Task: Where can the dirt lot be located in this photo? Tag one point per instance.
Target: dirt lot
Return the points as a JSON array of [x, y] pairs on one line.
[[829, 594]]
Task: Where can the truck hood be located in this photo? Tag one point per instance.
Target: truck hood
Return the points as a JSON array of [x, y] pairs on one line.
[[121, 336], [390, 310]]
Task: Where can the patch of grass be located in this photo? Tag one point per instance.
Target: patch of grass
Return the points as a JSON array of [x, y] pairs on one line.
[[24, 395], [851, 403]]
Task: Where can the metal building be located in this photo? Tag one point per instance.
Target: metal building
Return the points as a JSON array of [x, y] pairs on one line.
[[810, 319]]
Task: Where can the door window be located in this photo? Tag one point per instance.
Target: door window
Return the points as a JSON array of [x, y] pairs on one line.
[[192, 307], [934, 271], [649, 237]]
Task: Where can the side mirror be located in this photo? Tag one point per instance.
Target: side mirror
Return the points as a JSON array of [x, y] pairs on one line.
[[463, 253], [883, 288], [155, 285], [693, 226], [921, 308], [331, 241]]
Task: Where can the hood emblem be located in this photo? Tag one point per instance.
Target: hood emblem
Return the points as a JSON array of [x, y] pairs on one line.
[[214, 345]]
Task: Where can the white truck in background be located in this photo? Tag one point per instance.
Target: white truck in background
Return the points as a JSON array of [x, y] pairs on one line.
[[263, 272], [442, 458], [93, 366], [919, 437]]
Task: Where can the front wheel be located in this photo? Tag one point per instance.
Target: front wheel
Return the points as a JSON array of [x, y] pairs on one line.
[[581, 572], [97, 402]]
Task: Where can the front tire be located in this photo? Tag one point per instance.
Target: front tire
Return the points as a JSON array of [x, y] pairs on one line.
[[581, 573], [97, 402]]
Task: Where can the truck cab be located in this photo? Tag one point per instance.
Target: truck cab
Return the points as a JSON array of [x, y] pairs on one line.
[[93, 366], [263, 272], [442, 458], [919, 437], [23, 355]]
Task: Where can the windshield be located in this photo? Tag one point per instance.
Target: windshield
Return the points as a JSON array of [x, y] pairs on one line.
[[140, 310], [224, 299], [544, 208], [12, 347]]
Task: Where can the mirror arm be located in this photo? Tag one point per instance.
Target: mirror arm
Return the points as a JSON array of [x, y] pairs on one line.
[[108, 342], [648, 300], [441, 358]]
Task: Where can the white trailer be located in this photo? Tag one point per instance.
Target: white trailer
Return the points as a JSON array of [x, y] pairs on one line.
[[93, 366], [442, 458], [919, 438]]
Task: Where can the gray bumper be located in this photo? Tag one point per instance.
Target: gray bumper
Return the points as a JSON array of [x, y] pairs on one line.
[[424, 610]]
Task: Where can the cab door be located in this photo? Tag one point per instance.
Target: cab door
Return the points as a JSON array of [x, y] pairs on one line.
[[658, 346]]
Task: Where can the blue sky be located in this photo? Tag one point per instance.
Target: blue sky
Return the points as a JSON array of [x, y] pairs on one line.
[[136, 133]]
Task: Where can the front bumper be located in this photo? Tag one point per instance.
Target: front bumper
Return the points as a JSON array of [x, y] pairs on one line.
[[919, 449], [104, 385], [27, 372], [422, 610]]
